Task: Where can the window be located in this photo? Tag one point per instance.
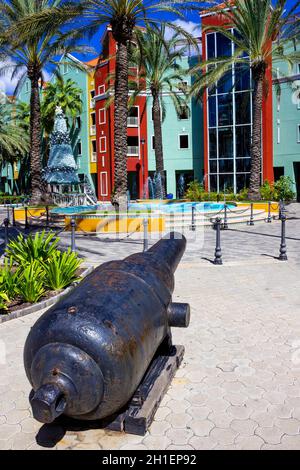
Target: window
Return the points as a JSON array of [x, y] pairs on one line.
[[65, 69], [183, 141], [153, 142], [101, 89], [102, 116], [298, 133], [27, 86], [133, 117], [79, 148], [94, 152], [102, 144], [184, 113], [78, 122], [93, 116], [93, 94], [132, 146]]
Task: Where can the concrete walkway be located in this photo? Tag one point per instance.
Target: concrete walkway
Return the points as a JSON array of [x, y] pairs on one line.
[[239, 385]]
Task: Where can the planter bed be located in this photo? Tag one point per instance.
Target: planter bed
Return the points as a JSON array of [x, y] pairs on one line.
[[50, 298]]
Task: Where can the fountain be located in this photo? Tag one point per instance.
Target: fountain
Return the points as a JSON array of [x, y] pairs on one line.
[[181, 186]]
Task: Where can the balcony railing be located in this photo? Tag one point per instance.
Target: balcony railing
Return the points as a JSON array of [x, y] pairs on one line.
[[93, 130], [132, 121], [132, 151]]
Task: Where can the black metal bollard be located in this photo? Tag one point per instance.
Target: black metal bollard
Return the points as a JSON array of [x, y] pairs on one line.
[[282, 249], [146, 238], [47, 216], [251, 221], [26, 218], [269, 218], [225, 224], [281, 209], [13, 217], [73, 227], [6, 224], [218, 251], [193, 226]]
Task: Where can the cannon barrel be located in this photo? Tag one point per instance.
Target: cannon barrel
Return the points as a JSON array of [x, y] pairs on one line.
[[86, 355]]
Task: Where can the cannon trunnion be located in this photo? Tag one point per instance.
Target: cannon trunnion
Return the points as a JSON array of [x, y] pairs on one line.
[[87, 355]]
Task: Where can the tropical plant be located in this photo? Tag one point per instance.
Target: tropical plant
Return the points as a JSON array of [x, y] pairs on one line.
[[263, 32], [283, 189], [195, 191], [4, 299], [30, 285], [60, 269], [13, 140], [124, 18], [65, 94], [8, 279], [267, 191], [30, 52], [159, 60], [38, 248]]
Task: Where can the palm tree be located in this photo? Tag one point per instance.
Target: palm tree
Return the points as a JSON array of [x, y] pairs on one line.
[[14, 141], [263, 31], [124, 17], [60, 93], [159, 59], [30, 54]]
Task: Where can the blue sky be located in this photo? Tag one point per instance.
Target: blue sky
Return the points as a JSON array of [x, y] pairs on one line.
[[190, 22]]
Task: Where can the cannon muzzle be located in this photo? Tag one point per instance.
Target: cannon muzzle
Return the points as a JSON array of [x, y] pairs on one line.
[[47, 403]]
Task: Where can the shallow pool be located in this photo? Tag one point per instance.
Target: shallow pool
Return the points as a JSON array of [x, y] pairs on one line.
[[179, 207]]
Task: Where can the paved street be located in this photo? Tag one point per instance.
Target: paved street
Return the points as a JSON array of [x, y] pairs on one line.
[[239, 385]]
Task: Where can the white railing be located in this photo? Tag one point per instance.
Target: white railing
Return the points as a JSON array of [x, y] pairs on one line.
[[93, 130], [92, 103], [94, 157], [132, 121], [133, 151]]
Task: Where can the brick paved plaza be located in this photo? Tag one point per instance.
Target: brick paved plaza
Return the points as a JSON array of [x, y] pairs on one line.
[[239, 384]]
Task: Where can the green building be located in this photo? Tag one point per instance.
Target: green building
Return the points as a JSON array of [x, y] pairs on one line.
[[80, 135], [182, 140], [286, 125]]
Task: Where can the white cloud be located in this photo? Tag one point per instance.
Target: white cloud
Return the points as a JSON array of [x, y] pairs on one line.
[[7, 84], [194, 29]]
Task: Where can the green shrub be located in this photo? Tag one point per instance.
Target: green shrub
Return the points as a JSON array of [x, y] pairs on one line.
[[25, 250], [195, 191], [267, 191], [30, 285], [60, 269], [3, 301], [8, 279], [283, 189], [242, 195]]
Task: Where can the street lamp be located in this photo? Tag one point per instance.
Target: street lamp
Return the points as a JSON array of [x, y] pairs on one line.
[[143, 141]]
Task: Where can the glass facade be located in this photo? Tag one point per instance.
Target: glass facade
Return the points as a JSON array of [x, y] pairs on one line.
[[229, 121]]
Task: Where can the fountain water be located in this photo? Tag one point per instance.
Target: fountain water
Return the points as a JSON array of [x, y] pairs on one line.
[[181, 186]]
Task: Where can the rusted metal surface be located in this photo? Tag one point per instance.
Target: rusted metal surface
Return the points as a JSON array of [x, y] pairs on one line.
[[86, 356]]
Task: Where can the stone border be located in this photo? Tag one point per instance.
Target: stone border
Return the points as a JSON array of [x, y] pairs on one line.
[[44, 303]]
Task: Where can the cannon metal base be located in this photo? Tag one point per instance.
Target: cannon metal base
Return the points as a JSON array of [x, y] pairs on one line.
[[138, 415]]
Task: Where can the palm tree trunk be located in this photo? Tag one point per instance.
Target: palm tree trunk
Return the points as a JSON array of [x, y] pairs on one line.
[[158, 144], [256, 144], [35, 138], [119, 197]]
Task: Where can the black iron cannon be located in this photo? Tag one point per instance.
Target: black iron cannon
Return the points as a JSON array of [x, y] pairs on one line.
[[86, 356]]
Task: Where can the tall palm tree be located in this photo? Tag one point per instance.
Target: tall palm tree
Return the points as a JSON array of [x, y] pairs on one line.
[[124, 16], [162, 75], [263, 31], [60, 93], [30, 55]]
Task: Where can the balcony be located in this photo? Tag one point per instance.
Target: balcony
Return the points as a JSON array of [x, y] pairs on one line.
[[132, 121], [93, 130], [132, 151]]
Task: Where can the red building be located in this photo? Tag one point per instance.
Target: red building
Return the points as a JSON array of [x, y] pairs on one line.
[[227, 122], [137, 166]]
